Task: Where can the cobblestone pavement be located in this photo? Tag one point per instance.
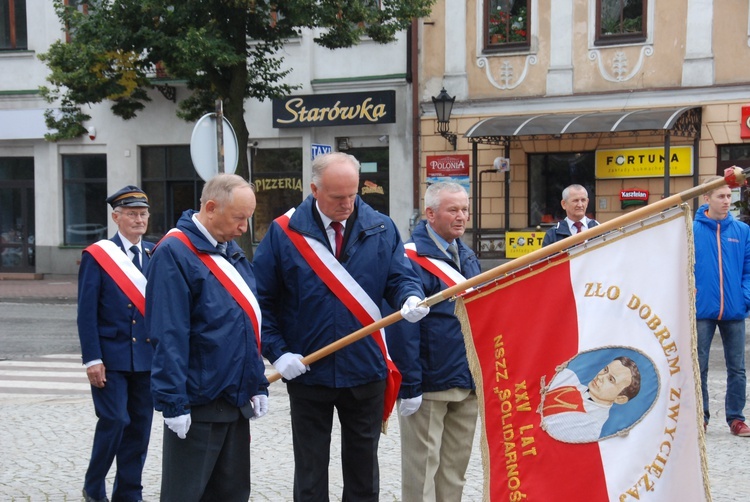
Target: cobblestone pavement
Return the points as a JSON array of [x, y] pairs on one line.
[[48, 420], [47, 423]]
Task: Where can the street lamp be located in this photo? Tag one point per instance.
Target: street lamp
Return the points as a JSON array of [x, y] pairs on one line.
[[443, 107]]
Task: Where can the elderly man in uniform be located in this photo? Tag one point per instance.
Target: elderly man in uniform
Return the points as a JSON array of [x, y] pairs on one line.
[[115, 349]]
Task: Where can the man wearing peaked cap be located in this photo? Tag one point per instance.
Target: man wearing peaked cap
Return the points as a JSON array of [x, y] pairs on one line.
[[115, 350], [130, 196]]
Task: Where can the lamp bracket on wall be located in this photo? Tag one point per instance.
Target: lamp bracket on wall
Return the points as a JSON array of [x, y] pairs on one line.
[[168, 92]]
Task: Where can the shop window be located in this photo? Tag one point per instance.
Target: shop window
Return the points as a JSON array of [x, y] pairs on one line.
[[373, 176], [549, 174], [172, 186], [730, 156], [84, 196], [277, 175], [13, 27], [17, 214], [506, 24], [620, 21]]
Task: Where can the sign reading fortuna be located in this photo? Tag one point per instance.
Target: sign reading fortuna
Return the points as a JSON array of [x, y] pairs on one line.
[[315, 110]]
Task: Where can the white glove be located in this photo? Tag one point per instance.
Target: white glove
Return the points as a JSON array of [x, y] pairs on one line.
[[411, 312], [179, 425], [260, 406], [409, 406], [290, 365]]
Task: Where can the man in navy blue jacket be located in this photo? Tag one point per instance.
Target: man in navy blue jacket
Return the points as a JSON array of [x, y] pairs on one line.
[[208, 375], [115, 349], [438, 408], [575, 200], [722, 283], [301, 314]]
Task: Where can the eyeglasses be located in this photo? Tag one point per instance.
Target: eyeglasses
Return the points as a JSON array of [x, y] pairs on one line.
[[134, 214]]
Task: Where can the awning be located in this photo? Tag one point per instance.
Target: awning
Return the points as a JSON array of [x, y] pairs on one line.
[[649, 119]]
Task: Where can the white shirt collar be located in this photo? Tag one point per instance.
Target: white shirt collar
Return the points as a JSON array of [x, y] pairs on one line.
[[127, 244], [203, 230]]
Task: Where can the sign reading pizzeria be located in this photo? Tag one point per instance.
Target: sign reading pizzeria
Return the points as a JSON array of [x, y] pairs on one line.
[[316, 110]]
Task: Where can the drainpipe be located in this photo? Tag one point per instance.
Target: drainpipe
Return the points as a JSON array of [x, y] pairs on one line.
[[412, 76]]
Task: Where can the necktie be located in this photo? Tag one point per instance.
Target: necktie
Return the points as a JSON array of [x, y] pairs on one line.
[[338, 230], [453, 251], [578, 226], [136, 256], [222, 247]]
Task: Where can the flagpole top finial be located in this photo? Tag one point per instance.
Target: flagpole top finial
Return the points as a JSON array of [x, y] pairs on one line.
[[735, 176]]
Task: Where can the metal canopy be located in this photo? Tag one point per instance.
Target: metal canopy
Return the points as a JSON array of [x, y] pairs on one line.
[[551, 124]]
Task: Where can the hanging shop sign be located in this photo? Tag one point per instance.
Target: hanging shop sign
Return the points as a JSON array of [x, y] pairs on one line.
[[453, 168], [633, 197], [745, 123], [353, 108], [519, 244], [643, 162], [447, 165]]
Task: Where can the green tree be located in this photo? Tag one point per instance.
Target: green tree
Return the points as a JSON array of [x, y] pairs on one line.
[[228, 50]]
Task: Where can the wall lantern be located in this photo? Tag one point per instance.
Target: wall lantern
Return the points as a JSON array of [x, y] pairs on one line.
[[443, 107]]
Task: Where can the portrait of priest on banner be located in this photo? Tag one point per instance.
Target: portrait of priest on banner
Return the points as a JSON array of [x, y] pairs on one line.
[[598, 394]]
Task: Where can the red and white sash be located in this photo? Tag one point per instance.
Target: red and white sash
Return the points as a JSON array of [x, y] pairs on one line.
[[350, 293], [440, 269], [116, 264], [230, 278]]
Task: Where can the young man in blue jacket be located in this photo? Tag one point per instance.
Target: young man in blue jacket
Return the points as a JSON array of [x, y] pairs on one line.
[[438, 408], [208, 375], [722, 281], [321, 271]]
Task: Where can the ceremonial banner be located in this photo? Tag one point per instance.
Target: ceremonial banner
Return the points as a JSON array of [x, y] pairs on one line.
[[586, 371]]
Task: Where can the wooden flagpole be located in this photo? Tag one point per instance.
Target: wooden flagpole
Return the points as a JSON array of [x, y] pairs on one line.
[[733, 177]]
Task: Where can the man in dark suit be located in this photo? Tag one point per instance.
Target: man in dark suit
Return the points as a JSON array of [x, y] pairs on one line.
[[115, 349], [575, 200]]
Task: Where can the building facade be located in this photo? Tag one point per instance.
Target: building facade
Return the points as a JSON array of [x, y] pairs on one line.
[[610, 95], [52, 194]]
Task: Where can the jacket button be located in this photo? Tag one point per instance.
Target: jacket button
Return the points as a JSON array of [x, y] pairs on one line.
[[130, 305], [133, 321], [148, 340], [134, 340]]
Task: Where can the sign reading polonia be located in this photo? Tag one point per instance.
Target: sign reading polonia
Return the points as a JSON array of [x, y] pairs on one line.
[[447, 165], [354, 108], [643, 162]]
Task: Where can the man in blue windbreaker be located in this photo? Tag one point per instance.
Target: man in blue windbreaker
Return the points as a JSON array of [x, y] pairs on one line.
[[722, 281], [319, 271], [438, 408], [208, 375]]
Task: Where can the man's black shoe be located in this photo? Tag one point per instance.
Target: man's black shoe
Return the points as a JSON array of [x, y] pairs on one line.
[[88, 498]]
